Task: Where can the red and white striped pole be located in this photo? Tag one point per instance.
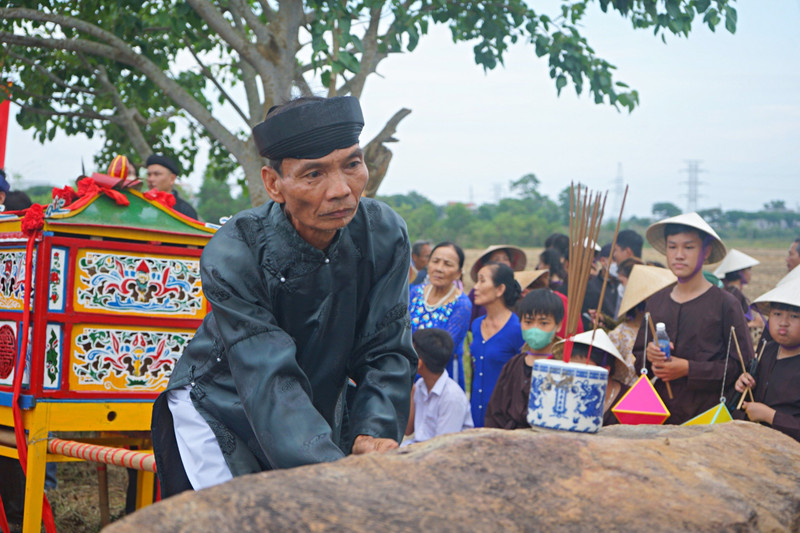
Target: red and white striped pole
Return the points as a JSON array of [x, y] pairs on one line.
[[103, 454]]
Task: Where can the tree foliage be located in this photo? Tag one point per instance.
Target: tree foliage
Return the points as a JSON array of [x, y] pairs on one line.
[[215, 199], [665, 210], [166, 75]]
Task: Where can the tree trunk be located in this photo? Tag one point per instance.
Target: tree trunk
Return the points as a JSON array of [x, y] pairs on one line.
[[377, 156], [252, 162]]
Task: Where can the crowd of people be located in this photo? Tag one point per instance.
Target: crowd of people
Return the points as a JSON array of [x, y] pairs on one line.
[[512, 317], [306, 355]]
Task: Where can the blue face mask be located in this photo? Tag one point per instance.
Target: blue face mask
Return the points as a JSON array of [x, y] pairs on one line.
[[536, 338]]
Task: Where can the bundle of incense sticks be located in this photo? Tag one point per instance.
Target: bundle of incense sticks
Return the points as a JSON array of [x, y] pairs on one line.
[[585, 217]]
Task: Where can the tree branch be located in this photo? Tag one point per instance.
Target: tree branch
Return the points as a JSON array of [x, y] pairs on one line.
[[247, 51], [210, 76], [65, 99], [127, 56], [378, 156], [63, 20], [302, 84], [149, 121], [369, 59], [55, 79], [254, 104], [269, 13], [126, 117], [289, 20], [261, 31], [91, 115]]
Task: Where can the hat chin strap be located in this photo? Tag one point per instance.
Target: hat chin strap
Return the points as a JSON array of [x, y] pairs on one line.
[[700, 260]]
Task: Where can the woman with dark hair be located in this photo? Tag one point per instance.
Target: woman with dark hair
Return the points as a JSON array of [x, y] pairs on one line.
[[497, 336], [507, 254], [551, 260], [441, 304]]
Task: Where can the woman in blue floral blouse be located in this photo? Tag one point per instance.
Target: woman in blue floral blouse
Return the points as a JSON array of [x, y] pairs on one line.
[[442, 304]]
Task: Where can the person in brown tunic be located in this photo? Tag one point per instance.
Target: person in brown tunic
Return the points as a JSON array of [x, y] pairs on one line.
[[776, 385], [698, 318], [541, 312]]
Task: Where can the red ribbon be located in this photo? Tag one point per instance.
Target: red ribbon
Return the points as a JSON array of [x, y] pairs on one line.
[[67, 193], [34, 219], [87, 187], [164, 198]]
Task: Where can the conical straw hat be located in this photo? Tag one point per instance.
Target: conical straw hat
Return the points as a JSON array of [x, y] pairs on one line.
[[603, 342], [526, 277], [517, 255], [792, 275], [785, 293], [735, 261], [655, 234], [644, 282]]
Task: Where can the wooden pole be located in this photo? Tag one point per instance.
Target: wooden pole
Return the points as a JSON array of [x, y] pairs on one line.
[[102, 489], [741, 360], [613, 246]]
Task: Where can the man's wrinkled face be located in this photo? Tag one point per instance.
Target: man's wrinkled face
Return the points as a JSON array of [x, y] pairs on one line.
[[321, 195], [160, 178], [421, 260]]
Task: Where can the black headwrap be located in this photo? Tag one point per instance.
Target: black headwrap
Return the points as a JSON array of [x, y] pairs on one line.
[[164, 161], [310, 130], [4, 186]]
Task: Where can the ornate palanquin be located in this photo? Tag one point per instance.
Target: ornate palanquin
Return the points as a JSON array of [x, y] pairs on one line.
[[116, 296]]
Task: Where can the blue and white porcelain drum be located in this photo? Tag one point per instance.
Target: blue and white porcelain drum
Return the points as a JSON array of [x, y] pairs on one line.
[[567, 396]]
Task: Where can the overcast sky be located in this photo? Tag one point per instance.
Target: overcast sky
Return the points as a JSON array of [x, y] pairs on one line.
[[730, 101]]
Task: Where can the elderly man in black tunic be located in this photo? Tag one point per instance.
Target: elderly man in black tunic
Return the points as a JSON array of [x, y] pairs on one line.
[[308, 292]]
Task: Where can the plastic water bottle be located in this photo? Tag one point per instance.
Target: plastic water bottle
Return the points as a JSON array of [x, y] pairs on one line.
[[662, 339]]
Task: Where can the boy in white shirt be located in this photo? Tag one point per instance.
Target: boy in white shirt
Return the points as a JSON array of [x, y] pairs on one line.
[[438, 404]]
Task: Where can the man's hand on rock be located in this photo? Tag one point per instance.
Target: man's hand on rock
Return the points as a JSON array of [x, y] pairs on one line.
[[367, 444]]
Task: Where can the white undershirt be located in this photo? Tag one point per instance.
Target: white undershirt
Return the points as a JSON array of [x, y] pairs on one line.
[[200, 452]]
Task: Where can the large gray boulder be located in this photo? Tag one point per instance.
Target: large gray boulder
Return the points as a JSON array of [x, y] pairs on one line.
[[737, 476]]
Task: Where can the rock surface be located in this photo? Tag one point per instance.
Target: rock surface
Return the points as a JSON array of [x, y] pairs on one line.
[[737, 476]]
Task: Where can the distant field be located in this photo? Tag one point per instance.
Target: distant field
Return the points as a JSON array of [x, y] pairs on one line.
[[765, 275]]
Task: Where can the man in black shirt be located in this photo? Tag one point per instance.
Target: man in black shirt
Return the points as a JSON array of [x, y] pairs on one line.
[[161, 174]]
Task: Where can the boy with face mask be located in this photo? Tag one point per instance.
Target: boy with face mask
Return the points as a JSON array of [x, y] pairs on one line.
[[541, 313]]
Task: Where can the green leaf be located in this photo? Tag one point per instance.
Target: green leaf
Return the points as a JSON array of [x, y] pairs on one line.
[[730, 19], [673, 8], [357, 43], [325, 77], [413, 38], [561, 81], [702, 5], [349, 62]]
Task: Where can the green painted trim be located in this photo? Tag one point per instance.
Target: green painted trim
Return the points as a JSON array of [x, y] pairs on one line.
[[140, 214]]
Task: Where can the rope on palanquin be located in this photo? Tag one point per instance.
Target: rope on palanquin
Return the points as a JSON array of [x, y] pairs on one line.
[[32, 225]]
